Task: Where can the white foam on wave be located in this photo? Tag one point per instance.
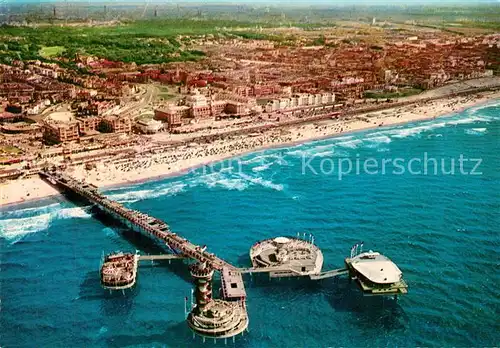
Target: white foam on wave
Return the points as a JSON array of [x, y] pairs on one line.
[[375, 142], [350, 144], [296, 153], [218, 180], [76, 212], [475, 131], [323, 147], [262, 167], [342, 138], [262, 182], [470, 116], [32, 211], [332, 151], [323, 154], [261, 158], [383, 139], [17, 228], [476, 109], [169, 189], [471, 119]]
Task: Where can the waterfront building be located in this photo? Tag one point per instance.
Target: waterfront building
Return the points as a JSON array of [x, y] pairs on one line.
[[60, 132], [115, 124], [149, 126]]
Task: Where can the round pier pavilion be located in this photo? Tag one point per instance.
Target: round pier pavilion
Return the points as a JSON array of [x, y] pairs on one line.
[[210, 317], [119, 271], [288, 257]]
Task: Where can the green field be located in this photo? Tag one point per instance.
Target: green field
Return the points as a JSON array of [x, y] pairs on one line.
[[49, 52], [142, 42], [167, 39], [389, 95]]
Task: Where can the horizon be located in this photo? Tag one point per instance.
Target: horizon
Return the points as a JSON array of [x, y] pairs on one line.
[[339, 3]]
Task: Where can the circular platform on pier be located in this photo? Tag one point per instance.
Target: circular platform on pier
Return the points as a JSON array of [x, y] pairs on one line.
[[119, 271], [287, 256], [219, 319]]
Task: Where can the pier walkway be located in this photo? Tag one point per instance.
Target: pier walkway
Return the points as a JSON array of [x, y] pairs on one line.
[[160, 257], [329, 274], [136, 219]]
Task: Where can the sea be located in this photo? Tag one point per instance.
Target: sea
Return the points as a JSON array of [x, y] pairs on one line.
[[425, 194]]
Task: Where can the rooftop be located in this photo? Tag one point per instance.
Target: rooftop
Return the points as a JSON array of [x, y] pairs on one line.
[[377, 268]]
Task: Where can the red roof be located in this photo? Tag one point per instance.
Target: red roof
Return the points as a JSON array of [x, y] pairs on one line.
[[6, 115]]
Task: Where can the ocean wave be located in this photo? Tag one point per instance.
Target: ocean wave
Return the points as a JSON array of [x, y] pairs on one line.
[[17, 228], [344, 137], [110, 232], [218, 180], [350, 144], [259, 158], [76, 212], [323, 154], [478, 108], [262, 167], [471, 119], [30, 211], [475, 131], [296, 153], [262, 182], [170, 189], [375, 142], [383, 139]]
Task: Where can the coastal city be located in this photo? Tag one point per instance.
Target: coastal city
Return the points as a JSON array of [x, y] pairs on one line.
[[122, 121], [158, 183]]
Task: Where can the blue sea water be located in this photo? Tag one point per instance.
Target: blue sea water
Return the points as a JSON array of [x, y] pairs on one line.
[[441, 229]]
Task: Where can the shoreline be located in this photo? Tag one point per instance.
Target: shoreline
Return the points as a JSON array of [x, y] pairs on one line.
[[29, 191]]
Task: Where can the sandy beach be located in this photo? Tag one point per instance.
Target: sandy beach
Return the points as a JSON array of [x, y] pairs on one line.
[[181, 159]]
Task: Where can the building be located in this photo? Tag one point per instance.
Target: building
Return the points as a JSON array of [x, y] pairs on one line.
[[60, 132], [115, 124], [88, 125], [235, 108], [17, 91], [172, 115], [199, 106], [149, 126]]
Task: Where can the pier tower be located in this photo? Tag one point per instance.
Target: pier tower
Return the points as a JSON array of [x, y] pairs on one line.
[[203, 285], [214, 318]]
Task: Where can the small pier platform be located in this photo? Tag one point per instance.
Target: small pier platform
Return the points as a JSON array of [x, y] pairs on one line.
[[119, 271], [286, 257], [218, 318], [375, 274], [233, 287]]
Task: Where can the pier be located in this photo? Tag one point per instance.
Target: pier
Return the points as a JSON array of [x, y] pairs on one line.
[[225, 317], [136, 220]]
